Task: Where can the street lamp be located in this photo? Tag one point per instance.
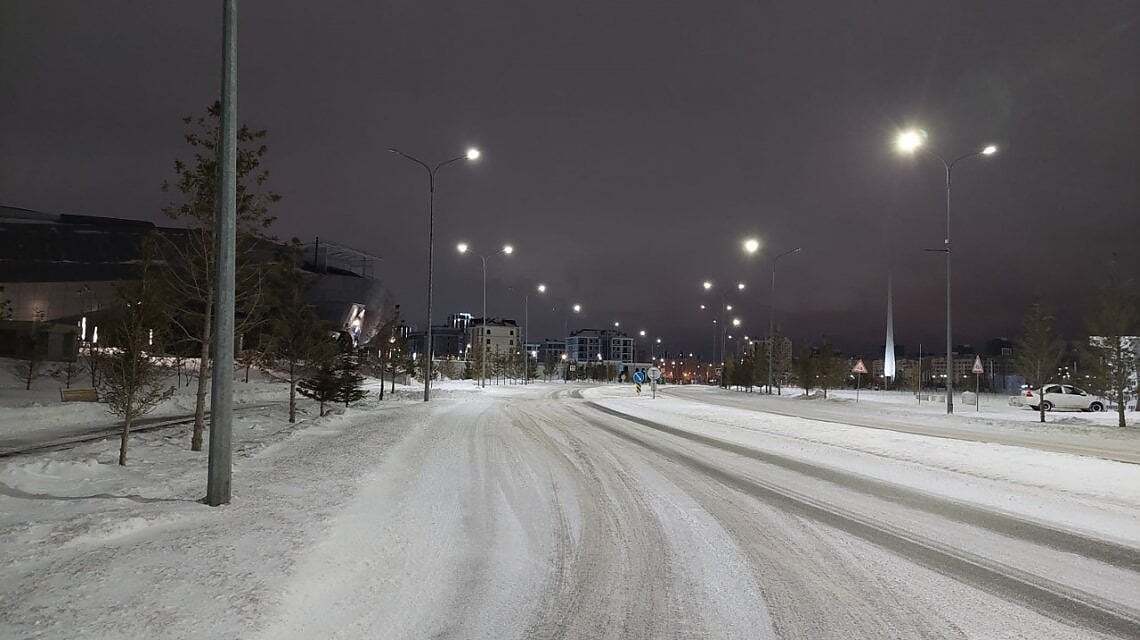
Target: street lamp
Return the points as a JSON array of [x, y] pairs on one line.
[[751, 245], [772, 312], [577, 308], [909, 142], [463, 248], [471, 155], [541, 288]]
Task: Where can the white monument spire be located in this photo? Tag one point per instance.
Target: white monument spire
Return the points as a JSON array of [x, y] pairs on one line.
[[889, 350]]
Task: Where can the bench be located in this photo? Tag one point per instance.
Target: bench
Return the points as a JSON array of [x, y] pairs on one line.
[[78, 395]]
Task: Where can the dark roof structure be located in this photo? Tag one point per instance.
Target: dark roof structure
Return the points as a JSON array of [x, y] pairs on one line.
[[51, 247]]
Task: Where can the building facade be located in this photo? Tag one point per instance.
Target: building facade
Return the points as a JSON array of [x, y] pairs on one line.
[[494, 335], [599, 345]]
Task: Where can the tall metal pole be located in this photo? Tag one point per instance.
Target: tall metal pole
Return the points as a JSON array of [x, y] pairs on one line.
[[471, 155], [431, 257], [483, 329], [949, 341], [526, 347], [771, 325], [218, 480]]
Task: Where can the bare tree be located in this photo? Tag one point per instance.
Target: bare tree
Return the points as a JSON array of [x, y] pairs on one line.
[[30, 364], [299, 343], [1038, 351], [188, 256], [1110, 352], [133, 381]]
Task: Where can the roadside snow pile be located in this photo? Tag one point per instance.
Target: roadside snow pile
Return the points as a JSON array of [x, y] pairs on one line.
[[67, 477]]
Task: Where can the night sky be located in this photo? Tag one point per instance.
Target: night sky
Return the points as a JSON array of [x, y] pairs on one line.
[[628, 146]]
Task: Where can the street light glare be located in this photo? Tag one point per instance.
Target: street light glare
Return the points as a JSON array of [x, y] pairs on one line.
[[577, 308], [461, 247], [473, 153], [740, 286], [752, 245], [736, 322], [617, 324], [990, 150], [707, 285], [641, 333], [909, 141], [508, 249], [542, 288]]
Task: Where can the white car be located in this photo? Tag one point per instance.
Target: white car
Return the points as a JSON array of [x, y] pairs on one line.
[[1063, 397]]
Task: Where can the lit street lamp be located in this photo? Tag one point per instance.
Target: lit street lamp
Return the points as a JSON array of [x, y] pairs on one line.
[[909, 142], [471, 155], [463, 248], [771, 304]]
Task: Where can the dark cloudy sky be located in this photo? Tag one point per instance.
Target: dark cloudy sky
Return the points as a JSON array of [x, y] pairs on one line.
[[629, 146]]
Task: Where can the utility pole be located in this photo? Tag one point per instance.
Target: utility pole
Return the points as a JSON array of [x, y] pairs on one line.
[[225, 234]]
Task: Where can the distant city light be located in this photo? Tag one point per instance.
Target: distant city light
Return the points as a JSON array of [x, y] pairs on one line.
[[740, 286]]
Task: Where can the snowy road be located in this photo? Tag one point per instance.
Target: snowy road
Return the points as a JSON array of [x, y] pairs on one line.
[[558, 513]]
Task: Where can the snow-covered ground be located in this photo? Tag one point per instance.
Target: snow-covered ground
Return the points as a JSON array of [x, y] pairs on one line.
[[530, 512]]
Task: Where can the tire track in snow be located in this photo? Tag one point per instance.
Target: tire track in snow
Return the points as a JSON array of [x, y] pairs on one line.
[[1046, 597]]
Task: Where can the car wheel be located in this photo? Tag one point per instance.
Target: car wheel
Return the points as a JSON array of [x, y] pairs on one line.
[[1096, 406], [1048, 405]]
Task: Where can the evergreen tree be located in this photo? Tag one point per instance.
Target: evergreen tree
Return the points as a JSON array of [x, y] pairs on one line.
[[350, 382], [1038, 351], [323, 385], [804, 366], [829, 368]]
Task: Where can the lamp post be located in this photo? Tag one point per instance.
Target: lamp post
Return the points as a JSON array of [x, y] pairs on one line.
[[708, 285], [771, 302], [472, 155], [463, 248], [909, 142], [220, 465]]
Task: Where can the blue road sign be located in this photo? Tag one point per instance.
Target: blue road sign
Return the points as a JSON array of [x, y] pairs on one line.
[[639, 377]]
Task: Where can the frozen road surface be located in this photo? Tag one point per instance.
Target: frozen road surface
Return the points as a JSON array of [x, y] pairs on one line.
[[569, 512]]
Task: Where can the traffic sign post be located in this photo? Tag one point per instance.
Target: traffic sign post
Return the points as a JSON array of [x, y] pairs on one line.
[[638, 380], [654, 375], [978, 371], [859, 369]]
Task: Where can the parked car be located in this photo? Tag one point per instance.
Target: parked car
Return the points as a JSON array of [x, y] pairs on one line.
[[1063, 397]]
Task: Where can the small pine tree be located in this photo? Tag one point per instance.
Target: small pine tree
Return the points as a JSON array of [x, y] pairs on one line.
[[829, 368], [350, 382], [323, 385]]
